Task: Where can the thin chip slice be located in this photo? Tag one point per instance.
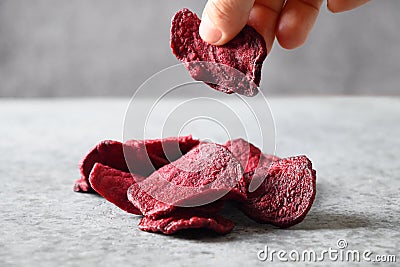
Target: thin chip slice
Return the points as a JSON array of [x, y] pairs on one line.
[[144, 156], [203, 175], [252, 159], [171, 225], [286, 194], [112, 184], [108, 153], [193, 180], [249, 156], [233, 67]]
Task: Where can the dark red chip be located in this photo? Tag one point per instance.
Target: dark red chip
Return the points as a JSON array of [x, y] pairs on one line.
[[189, 191], [108, 153], [233, 67], [171, 225], [203, 175], [112, 184], [286, 193], [249, 156], [144, 156], [252, 159]]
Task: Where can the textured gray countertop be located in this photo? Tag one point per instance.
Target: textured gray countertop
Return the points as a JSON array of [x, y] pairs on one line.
[[353, 142]]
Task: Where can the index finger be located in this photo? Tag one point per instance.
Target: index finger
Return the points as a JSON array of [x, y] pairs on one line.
[[264, 16], [344, 5], [296, 21]]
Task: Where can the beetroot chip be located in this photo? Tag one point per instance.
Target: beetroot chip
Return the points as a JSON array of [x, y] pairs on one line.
[[112, 184], [233, 67], [171, 225], [252, 160], [144, 156], [249, 156], [209, 209], [286, 194], [206, 173], [109, 153], [190, 181]]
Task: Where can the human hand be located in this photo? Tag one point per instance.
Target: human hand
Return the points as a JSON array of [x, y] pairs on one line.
[[290, 21]]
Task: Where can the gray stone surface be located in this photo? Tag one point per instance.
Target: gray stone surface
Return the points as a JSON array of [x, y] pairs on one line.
[[353, 142], [109, 47]]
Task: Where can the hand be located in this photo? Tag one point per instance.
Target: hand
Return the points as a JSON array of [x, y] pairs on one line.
[[290, 21]]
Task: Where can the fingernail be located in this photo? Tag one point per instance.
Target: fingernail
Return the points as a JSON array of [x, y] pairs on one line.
[[208, 31]]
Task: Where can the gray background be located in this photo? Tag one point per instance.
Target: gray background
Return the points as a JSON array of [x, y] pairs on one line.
[[109, 47]]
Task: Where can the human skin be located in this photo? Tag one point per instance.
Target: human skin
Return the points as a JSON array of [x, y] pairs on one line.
[[288, 21]]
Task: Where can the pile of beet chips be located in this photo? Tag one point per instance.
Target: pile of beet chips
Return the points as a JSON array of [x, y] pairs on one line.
[[181, 183]]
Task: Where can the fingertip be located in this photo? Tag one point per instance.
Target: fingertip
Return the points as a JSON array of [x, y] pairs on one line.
[[209, 32], [338, 6], [263, 18], [290, 35], [222, 20], [290, 45], [296, 22], [333, 9]]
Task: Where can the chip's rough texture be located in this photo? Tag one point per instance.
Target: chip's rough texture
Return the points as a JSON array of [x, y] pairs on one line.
[[171, 225], [249, 156], [192, 181], [204, 174], [237, 64], [112, 184], [109, 153], [144, 156], [252, 160], [286, 194]]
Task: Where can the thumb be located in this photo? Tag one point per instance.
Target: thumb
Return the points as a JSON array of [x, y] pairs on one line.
[[224, 19]]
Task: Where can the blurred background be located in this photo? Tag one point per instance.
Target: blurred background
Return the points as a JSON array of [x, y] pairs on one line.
[[57, 48]]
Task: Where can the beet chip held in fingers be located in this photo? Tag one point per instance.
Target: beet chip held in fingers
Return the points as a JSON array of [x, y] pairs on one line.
[[231, 68]]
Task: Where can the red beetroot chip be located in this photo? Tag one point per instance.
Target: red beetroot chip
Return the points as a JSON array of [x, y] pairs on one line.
[[252, 160], [171, 225], [233, 67], [189, 191], [112, 184], [203, 175], [249, 156], [286, 193], [144, 156], [107, 152]]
